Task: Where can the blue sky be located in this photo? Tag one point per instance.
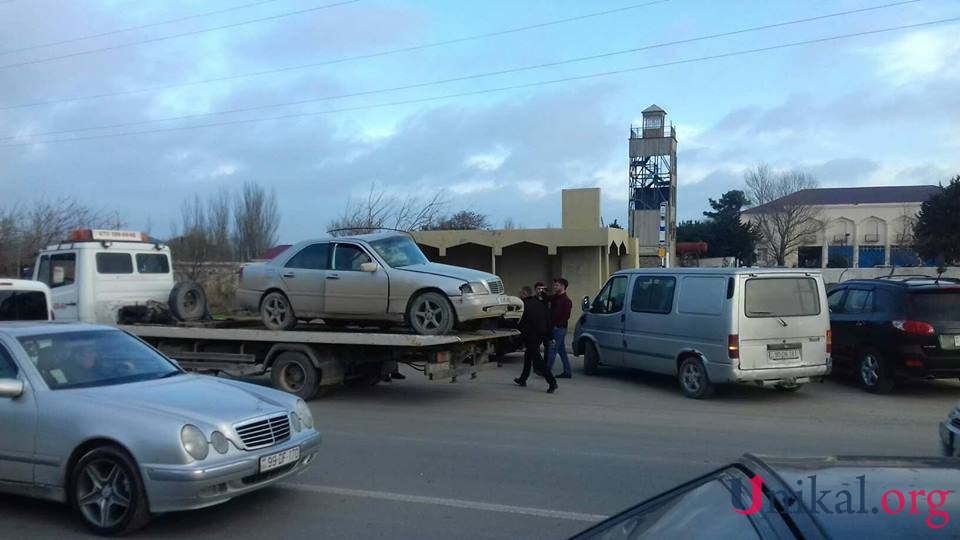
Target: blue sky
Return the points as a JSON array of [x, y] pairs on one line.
[[874, 110]]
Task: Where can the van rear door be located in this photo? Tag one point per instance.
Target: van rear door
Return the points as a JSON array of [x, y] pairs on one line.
[[783, 321]]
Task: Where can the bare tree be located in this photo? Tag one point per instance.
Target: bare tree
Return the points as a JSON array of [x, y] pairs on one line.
[[382, 210], [783, 215], [509, 224], [463, 220], [191, 243], [255, 220], [218, 225]]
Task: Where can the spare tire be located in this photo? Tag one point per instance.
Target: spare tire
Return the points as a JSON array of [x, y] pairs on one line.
[[188, 301]]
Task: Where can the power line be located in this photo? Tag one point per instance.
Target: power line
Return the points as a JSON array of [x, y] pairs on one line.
[[502, 88], [181, 34], [451, 80], [139, 27], [342, 59]]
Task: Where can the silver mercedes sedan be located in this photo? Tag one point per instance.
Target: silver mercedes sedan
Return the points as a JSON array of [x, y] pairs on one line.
[[93, 417]]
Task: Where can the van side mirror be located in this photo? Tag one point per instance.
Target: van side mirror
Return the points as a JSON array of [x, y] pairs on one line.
[[369, 267], [585, 304], [11, 388]]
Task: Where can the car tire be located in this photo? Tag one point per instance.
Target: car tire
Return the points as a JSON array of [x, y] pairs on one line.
[[693, 379], [294, 373], [277, 313], [591, 359], [874, 372], [106, 492], [188, 301], [789, 388], [430, 314]]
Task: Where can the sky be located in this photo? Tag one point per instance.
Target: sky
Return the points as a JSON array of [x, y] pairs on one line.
[[878, 109]]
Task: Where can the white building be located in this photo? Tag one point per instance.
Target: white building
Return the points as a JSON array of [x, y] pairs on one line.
[[860, 227]]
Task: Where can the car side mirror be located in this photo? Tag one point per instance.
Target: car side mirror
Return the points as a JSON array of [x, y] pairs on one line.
[[369, 267], [11, 388], [585, 304]]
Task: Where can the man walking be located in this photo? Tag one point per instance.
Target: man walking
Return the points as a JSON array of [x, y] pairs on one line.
[[535, 330], [561, 306]]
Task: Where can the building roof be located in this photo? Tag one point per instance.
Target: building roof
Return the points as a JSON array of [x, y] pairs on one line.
[[654, 109], [857, 195]]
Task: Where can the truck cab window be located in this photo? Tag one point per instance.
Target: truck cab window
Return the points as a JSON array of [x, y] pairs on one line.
[[114, 263], [58, 270]]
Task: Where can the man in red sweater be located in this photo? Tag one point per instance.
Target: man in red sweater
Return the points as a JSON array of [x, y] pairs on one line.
[[561, 306]]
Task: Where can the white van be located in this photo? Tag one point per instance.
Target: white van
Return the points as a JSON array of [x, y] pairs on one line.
[[24, 300], [708, 326]]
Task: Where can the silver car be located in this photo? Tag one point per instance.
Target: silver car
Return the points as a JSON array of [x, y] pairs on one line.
[[380, 277], [95, 418]]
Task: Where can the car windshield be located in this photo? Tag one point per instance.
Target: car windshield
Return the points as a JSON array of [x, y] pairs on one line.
[[399, 251], [938, 305], [95, 358]]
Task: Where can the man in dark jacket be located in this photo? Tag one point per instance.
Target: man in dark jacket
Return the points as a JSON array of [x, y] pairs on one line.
[[560, 306], [535, 331]]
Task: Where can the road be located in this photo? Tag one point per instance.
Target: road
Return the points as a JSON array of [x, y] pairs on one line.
[[487, 459]]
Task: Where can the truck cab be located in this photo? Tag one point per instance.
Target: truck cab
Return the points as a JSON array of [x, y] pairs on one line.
[[95, 273]]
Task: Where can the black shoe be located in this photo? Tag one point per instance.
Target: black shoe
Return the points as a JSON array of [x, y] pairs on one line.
[[564, 376], [551, 390], [387, 378], [520, 382], [398, 376]]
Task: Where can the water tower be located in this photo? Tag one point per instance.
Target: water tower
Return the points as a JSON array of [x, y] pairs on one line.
[[652, 208]]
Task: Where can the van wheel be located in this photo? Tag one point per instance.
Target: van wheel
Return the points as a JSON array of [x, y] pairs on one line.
[[693, 378], [277, 313], [591, 359], [295, 374], [875, 373], [430, 314], [106, 492]]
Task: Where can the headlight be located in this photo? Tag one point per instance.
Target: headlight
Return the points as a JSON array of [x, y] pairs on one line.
[[194, 442], [474, 287], [219, 442], [295, 422], [304, 413]]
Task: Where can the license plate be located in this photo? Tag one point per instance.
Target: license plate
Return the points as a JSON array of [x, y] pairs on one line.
[[273, 461], [784, 354]]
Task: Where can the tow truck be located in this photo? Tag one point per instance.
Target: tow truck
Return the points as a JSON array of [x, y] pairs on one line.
[[125, 278]]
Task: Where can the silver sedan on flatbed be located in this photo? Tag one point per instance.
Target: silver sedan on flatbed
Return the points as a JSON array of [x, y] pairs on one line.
[[95, 418]]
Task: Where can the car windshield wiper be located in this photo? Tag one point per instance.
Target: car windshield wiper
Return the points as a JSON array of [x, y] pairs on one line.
[[170, 374]]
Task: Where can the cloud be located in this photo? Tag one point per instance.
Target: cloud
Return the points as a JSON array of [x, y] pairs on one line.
[[918, 56]]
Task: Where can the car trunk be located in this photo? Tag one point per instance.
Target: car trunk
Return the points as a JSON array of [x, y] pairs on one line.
[[940, 308], [782, 322]]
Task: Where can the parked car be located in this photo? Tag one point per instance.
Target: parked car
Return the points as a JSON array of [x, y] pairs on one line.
[[764, 327], [889, 329], [817, 498], [95, 418], [381, 277], [24, 300]]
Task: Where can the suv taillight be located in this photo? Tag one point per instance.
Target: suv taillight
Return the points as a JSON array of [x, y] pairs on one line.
[[919, 328], [733, 346], [829, 341]]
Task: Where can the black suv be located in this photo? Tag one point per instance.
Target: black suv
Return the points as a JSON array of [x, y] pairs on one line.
[[893, 328]]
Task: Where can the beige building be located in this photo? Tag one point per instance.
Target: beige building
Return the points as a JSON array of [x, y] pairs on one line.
[[581, 250], [861, 227]]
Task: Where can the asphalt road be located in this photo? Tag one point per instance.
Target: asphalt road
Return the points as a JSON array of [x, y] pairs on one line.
[[487, 459]]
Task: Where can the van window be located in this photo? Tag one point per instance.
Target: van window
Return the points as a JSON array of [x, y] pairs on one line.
[[114, 263], [23, 306], [58, 270], [610, 299], [153, 263], [782, 297], [702, 295], [653, 294]]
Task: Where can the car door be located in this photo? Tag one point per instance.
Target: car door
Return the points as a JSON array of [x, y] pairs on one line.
[[605, 320], [649, 341], [857, 310], [59, 272], [18, 420], [839, 325], [304, 278], [352, 291]]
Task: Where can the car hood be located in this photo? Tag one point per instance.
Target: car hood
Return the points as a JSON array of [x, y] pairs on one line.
[[446, 270], [189, 398]]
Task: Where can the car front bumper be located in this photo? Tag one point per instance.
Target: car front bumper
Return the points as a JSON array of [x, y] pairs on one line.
[[172, 488], [470, 307], [725, 373], [949, 439]]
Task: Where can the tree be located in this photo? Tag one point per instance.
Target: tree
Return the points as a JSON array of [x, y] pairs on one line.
[[782, 217], [936, 234], [463, 220], [695, 231], [382, 210], [730, 236], [255, 220]]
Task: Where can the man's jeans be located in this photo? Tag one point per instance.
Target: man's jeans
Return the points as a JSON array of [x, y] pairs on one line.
[[559, 338]]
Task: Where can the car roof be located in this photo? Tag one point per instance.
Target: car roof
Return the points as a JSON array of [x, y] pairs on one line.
[[371, 237], [880, 475], [17, 329], [23, 284], [907, 282], [729, 271]]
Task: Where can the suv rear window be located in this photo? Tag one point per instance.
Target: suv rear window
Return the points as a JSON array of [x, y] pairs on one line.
[[941, 305], [23, 306], [782, 297]]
